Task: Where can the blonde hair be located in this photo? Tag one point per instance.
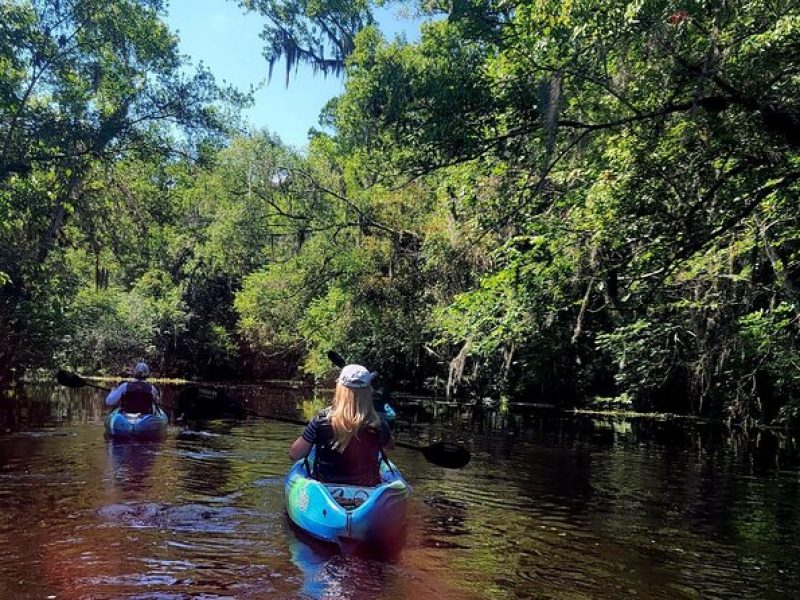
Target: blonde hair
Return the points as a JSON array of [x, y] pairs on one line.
[[352, 409]]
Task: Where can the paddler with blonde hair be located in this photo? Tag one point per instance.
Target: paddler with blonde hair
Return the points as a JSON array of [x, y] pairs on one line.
[[349, 435]]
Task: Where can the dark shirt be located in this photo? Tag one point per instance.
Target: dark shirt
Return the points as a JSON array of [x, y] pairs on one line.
[[358, 464]]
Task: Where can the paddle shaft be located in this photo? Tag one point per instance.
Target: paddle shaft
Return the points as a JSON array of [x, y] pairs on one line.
[[97, 387], [436, 453], [74, 380]]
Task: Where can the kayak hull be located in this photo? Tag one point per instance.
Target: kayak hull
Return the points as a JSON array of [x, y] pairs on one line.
[[120, 425], [362, 516]]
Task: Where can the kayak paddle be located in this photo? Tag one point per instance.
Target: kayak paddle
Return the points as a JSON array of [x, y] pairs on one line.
[[197, 402], [74, 380], [442, 454]]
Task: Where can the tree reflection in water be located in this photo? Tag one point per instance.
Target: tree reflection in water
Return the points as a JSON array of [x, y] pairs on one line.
[[131, 462]]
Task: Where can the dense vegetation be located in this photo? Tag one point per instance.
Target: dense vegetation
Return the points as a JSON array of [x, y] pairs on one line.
[[571, 202]]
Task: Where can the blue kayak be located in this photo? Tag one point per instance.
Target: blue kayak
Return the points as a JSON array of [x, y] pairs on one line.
[[120, 425], [348, 515]]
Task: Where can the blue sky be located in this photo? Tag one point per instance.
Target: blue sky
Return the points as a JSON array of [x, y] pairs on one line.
[[218, 34]]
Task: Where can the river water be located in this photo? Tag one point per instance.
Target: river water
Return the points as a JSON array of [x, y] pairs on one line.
[[551, 506]]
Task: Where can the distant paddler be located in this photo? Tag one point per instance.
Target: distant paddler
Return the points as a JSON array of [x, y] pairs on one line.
[[136, 396], [139, 415]]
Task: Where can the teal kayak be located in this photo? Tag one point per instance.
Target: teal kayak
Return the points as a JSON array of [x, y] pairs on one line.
[[120, 425], [348, 515]]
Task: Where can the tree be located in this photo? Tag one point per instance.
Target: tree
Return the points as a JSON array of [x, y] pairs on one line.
[[320, 33], [618, 163], [84, 82]]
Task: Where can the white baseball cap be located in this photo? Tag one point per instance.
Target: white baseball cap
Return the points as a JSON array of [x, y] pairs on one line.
[[355, 376]]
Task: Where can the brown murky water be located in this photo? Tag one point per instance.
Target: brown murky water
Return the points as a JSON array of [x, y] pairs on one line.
[[550, 507]]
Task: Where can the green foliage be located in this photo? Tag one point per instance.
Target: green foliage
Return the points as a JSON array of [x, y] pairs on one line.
[[84, 85], [770, 346], [111, 330], [600, 193], [421, 106], [269, 306], [556, 201], [328, 322], [110, 327], [645, 355]]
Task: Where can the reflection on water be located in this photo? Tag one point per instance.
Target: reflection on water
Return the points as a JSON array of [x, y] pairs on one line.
[[45, 404], [204, 456], [551, 506], [131, 462]]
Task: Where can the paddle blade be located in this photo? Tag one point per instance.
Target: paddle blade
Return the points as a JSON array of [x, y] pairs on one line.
[[68, 379], [336, 358], [447, 455]]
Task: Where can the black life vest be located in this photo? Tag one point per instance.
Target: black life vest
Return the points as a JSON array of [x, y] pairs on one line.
[[137, 398], [357, 465]]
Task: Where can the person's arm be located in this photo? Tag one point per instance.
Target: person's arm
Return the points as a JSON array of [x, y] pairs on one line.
[[300, 449], [156, 394], [114, 396], [302, 445]]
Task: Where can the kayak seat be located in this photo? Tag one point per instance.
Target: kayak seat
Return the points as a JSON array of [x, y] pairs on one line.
[[348, 496]]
